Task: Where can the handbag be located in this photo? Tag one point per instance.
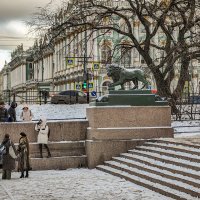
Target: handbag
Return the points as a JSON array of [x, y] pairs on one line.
[[12, 152], [2, 149], [2, 152], [9, 119]]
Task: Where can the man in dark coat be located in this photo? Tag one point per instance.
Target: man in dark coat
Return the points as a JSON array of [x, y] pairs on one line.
[[3, 112], [12, 112], [8, 162]]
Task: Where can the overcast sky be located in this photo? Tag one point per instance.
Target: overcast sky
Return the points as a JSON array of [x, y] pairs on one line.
[[13, 30]]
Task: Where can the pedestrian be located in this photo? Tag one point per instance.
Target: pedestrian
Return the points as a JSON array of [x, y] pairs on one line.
[[26, 114], [23, 161], [3, 112], [43, 135], [12, 112], [8, 158]]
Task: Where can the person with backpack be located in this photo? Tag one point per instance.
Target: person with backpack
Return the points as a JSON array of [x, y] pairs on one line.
[[43, 135], [8, 158], [12, 112], [26, 114], [3, 112]]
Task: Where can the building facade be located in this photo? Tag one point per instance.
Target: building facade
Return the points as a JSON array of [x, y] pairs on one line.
[[75, 56]]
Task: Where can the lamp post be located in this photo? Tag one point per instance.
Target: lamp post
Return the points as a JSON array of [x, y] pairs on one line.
[[85, 75]]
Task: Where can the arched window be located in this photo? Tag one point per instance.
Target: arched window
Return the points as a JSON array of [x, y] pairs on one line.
[[126, 56], [105, 87], [106, 54]]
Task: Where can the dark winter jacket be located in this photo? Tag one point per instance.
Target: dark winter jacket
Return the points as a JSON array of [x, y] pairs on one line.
[[8, 161], [12, 112], [3, 114]]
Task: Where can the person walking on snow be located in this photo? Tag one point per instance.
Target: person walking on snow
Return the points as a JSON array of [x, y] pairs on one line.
[[26, 114], [43, 135]]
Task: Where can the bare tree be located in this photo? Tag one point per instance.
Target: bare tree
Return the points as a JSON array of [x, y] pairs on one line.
[[170, 32]]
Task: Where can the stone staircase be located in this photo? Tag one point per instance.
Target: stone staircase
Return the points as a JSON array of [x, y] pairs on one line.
[[65, 154], [165, 166], [66, 143]]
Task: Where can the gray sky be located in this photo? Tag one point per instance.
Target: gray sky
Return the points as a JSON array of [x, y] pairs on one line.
[[13, 30]]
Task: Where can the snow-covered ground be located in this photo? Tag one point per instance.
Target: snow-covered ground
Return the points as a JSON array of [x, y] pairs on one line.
[[73, 184], [186, 129], [79, 184], [55, 112], [78, 111]]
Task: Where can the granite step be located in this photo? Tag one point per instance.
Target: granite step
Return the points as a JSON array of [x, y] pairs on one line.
[[156, 178], [169, 153], [164, 190], [58, 149], [177, 142], [60, 163], [175, 147], [65, 154], [163, 164], [167, 168], [156, 170]]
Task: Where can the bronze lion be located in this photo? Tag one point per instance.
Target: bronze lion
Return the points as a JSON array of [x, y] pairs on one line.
[[122, 75]]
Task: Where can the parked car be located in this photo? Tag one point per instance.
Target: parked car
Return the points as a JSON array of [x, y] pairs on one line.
[[69, 97], [103, 98], [194, 100]]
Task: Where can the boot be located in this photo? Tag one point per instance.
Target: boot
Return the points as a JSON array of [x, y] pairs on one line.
[[49, 155], [48, 151], [22, 175], [26, 174], [40, 148]]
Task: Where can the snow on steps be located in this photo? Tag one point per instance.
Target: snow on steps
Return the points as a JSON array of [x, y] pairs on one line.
[[170, 172], [167, 159], [162, 165], [145, 183], [61, 163], [173, 147], [170, 153], [59, 149], [158, 171], [65, 154]]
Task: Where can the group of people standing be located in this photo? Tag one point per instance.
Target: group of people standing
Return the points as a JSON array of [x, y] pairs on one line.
[[11, 155], [22, 152], [9, 115]]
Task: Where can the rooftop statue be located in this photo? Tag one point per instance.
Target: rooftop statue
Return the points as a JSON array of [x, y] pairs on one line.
[[122, 75]]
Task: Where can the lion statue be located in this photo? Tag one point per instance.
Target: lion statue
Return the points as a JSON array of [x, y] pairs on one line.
[[122, 75]]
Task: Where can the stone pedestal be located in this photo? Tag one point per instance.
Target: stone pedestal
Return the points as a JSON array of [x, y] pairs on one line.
[[116, 129]]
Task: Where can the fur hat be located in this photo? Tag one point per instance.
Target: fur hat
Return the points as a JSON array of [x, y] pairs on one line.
[[25, 106], [23, 134], [7, 135], [13, 104]]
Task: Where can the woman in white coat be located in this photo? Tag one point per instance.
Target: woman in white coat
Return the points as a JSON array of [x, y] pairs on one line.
[[26, 114], [43, 133]]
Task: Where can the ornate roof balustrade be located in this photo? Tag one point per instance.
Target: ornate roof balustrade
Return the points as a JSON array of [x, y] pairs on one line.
[[19, 86]]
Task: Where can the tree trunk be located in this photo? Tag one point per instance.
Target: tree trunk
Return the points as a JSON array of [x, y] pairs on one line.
[[164, 90]]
